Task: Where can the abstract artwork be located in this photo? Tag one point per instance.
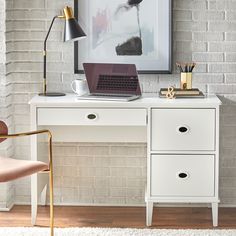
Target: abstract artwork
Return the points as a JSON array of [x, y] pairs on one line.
[[125, 31], [133, 46]]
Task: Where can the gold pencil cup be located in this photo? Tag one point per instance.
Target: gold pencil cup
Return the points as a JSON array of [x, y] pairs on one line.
[[186, 80]]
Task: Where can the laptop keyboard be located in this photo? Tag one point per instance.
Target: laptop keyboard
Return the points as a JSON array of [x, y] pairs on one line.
[[117, 83]]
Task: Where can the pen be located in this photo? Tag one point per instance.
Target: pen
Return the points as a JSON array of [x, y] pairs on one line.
[[186, 67]]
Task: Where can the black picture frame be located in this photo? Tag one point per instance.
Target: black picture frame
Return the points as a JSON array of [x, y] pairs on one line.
[[168, 71]]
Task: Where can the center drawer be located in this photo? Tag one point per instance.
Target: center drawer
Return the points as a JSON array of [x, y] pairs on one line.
[[182, 175], [183, 130], [96, 117]]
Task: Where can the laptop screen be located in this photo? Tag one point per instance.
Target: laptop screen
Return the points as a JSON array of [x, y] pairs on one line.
[[112, 78]]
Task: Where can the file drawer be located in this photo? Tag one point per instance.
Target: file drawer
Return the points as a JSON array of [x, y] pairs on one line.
[[84, 116], [183, 130], [182, 175]]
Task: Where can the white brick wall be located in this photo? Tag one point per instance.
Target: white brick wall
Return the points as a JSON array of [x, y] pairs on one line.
[[6, 148], [101, 173], [2, 88], [203, 31]]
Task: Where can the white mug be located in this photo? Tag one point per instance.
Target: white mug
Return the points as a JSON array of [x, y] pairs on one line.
[[79, 86]]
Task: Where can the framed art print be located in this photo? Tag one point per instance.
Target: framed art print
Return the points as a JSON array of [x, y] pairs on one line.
[[130, 31]]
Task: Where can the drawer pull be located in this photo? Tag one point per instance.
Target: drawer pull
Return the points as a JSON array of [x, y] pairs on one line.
[[92, 116], [183, 129], [183, 175]]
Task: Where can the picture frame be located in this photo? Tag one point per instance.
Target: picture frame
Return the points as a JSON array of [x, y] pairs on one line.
[[117, 32]]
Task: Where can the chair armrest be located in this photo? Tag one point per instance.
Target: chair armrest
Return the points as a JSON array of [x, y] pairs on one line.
[[34, 133], [25, 134]]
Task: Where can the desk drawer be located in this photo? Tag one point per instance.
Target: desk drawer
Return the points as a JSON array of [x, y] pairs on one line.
[[183, 130], [182, 175], [84, 116]]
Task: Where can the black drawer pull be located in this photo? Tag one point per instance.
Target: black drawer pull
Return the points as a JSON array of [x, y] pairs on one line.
[[91, 116], [183, 129], [183, 175]]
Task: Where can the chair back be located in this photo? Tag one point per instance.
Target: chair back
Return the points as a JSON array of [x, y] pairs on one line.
[[3, 130]]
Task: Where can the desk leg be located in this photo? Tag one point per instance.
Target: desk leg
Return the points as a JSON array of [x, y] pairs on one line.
[[214, 207], [34, 198], [149, 212], [34, 157]]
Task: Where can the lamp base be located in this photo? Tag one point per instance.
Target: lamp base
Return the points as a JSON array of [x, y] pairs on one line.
[[52, 94]]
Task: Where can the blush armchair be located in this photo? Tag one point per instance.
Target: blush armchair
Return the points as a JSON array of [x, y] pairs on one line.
[[11, 169]]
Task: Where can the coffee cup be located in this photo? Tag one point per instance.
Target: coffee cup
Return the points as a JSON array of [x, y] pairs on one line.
[[79, 86]]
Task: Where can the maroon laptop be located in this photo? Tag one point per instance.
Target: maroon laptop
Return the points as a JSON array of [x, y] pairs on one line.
[[111, 81]]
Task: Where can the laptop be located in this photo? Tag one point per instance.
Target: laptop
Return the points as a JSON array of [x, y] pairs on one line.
[[112, 82]]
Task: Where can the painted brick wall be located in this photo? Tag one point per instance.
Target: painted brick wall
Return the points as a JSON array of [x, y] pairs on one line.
[[204, 31], [2, 87], [104, 173], [6, 148]]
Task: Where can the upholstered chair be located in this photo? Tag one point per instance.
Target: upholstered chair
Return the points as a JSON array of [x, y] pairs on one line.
[[11, 169]]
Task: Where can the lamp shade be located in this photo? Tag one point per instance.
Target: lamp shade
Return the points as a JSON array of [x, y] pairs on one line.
[[72, 30]]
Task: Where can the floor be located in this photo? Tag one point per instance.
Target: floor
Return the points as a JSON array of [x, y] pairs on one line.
[[184, 217]]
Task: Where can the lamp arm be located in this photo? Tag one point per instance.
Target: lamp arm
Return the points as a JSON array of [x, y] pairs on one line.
[[45, 53], [49, 30]]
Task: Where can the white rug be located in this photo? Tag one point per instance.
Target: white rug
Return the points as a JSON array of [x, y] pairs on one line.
[[111, 232]]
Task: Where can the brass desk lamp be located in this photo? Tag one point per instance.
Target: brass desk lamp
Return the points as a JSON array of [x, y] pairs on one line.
[[72, 31]]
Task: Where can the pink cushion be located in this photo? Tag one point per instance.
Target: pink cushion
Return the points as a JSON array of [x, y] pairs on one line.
[[11, 169]]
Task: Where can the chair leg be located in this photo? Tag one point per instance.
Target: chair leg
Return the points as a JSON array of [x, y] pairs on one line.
[[51, 203]]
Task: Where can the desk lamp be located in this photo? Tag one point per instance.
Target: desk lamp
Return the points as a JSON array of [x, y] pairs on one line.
[[72, 31]]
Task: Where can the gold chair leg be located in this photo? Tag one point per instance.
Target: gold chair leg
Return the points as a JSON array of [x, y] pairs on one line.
[[51, 186], [51, 203]]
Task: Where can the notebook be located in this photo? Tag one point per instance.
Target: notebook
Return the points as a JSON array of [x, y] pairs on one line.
[[114, 82]]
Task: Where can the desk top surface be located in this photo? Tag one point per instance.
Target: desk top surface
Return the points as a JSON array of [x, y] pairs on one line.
[[71, 100]]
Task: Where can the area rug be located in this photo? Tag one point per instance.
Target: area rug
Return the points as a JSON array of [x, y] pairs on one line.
[[35, 231]]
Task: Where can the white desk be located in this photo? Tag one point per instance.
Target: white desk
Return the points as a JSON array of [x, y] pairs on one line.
[[182, 138]]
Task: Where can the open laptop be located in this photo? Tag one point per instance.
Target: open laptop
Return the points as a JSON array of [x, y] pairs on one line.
[[114, 82]]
